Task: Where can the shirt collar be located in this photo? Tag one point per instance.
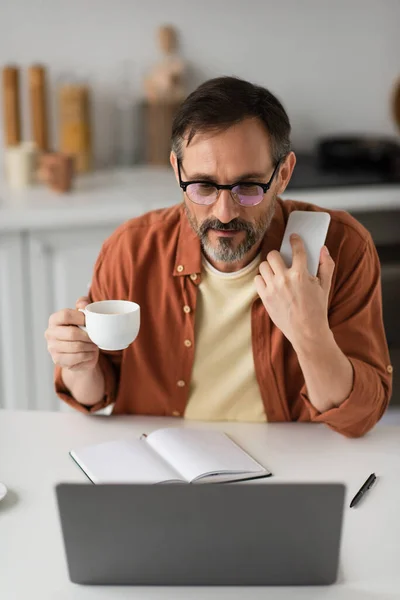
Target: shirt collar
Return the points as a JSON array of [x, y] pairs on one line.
[[188, 259]]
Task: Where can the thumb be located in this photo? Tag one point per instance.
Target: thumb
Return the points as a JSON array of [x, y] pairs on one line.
[[326, 268], [82, 302]]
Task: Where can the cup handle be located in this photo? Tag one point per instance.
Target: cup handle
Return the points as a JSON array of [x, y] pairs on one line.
[[82, 310]]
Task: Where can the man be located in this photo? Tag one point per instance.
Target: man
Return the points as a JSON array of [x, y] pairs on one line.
[[229, 332]]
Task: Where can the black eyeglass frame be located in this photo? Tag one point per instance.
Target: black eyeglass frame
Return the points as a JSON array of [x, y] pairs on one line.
[[265, 186]]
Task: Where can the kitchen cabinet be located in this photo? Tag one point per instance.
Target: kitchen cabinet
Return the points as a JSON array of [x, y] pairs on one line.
[[15, 324]]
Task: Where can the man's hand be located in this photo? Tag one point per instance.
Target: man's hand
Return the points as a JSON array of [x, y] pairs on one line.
[[296, 301], [69, 346]]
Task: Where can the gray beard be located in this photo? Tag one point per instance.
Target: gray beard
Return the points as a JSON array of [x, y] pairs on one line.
[[225, 251]]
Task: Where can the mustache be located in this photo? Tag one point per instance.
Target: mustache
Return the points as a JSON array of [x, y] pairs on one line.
[[234, 225]]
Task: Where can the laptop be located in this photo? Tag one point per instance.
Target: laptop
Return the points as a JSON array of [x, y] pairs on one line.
[[218, 534]]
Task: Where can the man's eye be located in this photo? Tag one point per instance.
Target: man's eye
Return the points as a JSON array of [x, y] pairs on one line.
[[248, 189], [205, 188]]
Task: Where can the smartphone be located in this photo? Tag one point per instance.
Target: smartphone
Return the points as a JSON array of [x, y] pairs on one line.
[[312, 227]]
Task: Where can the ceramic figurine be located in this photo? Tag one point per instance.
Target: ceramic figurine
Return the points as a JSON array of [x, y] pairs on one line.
[[165, 82]]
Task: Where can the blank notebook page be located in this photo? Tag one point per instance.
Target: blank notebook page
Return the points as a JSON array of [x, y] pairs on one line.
[[195, 452], [123, 461]]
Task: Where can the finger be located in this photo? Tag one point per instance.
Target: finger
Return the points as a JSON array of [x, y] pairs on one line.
[[260, 285], [79, 366], [82, 302], [71, 347], [299, 261], [70, 360], [323, 254], [266, 272], [67, 316], [326, 269], [276, 262], [67, 333]]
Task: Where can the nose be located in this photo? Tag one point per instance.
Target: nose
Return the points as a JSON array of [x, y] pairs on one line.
[[225, 208]]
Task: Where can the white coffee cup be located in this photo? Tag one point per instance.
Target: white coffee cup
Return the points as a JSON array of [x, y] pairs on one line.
[[112, 324]]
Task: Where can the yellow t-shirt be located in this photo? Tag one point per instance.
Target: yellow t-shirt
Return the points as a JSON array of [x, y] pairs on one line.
[[224, 385]]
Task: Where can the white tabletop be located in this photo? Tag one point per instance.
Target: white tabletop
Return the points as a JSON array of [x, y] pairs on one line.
[[34, 457]]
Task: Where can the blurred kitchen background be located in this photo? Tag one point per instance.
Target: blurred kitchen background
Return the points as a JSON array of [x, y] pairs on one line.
[[88, 91]]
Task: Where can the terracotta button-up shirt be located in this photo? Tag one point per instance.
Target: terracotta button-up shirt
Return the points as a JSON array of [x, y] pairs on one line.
[[155, 260]]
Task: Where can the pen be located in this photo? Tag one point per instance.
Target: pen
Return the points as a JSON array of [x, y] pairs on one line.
[[364, 488]]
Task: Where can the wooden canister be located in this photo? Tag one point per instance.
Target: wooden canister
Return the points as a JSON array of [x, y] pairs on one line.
[[158, 127], [38, 106], [74, 125], [11, 106]]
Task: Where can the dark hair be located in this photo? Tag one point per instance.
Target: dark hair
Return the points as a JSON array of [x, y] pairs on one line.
[[224, 101]]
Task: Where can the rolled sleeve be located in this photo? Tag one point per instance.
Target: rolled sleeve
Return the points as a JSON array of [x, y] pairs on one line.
[[110, 391], [363, 407], [356, 321]]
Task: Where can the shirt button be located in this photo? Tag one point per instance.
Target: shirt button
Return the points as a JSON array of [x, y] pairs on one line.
[[188, 343], [176, 413], [186, 309], [193, 276], [179, 268], [180, 383], [389, 369]]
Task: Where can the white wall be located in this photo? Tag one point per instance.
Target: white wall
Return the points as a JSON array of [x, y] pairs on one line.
[[332, 62]]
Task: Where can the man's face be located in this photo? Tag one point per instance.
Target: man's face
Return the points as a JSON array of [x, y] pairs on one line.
[[230, 233]]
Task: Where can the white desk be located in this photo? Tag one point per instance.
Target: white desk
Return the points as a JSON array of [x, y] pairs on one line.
[[34, 457]]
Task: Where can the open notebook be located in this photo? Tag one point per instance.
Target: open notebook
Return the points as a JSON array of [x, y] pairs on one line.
[[169, 455]]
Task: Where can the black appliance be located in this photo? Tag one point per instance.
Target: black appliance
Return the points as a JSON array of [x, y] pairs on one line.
[[349, 153]]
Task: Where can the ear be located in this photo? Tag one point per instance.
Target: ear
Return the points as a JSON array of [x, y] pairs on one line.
[[285, 173], [174, 164]]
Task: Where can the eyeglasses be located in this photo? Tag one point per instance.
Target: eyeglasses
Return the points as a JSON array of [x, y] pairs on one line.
[[246, 193]]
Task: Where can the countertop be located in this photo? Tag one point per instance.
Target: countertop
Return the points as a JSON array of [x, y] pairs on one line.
[[113, 196]]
